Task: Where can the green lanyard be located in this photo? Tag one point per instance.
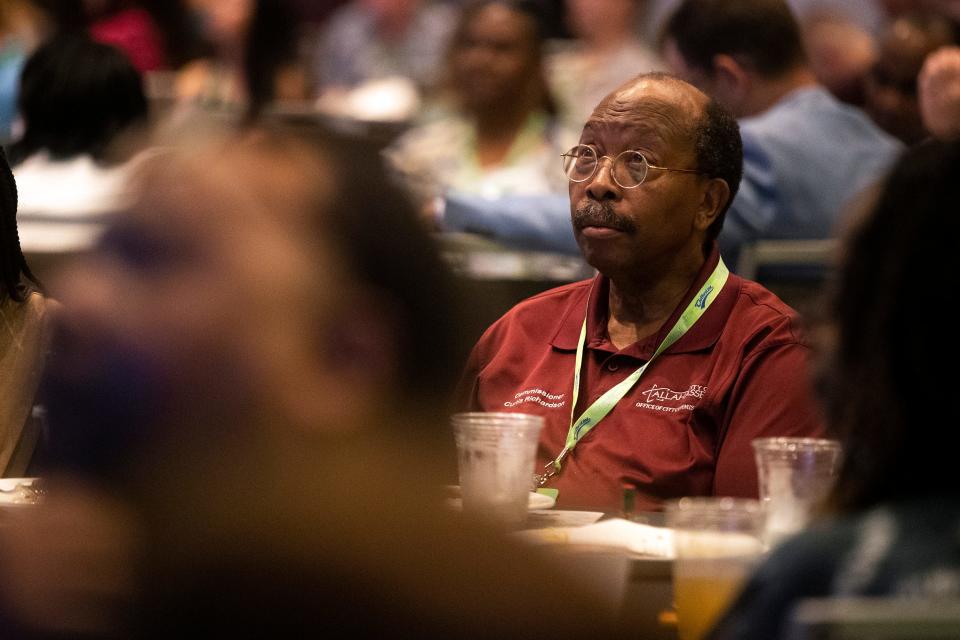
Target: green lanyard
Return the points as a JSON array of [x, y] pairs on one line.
[[605, 403]]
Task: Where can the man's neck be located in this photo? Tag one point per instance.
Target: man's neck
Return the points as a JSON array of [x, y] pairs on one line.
[[767, 92], [638, 307]]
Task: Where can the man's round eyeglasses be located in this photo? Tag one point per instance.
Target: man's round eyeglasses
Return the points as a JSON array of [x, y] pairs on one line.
[[629, 168]]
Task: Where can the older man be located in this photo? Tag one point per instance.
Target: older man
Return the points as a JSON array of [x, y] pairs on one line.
[[658, 373]]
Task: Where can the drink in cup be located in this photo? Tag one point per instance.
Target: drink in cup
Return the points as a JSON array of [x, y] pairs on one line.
[[795, 475], [717, 544], [496, 452]]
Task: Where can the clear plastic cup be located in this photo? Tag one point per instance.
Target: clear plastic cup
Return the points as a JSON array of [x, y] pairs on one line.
[[497, 453], [717, 543], [795, 475]]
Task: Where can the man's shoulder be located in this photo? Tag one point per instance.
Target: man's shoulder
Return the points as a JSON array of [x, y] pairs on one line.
[[763, 318], [811, 118]]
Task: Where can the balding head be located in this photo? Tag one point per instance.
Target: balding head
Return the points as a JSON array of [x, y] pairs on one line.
[[655, 101]]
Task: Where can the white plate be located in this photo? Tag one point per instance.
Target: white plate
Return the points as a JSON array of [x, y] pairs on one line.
[[539, 519], [535, 500], [622, 535]]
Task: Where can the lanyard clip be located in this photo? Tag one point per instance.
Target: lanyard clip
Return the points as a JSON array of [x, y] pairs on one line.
[[550, 469]]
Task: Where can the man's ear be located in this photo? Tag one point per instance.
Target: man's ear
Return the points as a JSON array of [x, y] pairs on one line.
[[716, 194], [732, 80]]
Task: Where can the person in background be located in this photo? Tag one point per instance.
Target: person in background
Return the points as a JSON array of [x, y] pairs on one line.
[[11, 62], [841, 52], [24, 329], [606, 51], [884, 534], [374, 39], [253, 60], [24, 24], [501, 135], [82, 105], [805, 153], [939, 86], [891, 86], [656, 169], [131, 29], [865, 16], [248, 398]]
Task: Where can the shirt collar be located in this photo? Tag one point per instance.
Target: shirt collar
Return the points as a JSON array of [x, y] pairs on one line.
[[701, 335]]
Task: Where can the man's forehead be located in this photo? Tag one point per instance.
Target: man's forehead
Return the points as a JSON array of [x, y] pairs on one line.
[[663, 109]]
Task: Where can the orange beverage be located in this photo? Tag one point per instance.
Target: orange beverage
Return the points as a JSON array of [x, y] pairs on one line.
[[716, 543], [703, 588]]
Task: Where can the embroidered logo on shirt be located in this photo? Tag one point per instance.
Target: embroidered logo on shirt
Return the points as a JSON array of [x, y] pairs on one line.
[[539, 396], [660, 395]]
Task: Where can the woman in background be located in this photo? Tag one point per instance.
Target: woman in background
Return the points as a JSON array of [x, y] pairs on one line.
[[605, 52], [497, 133], [253, 59]]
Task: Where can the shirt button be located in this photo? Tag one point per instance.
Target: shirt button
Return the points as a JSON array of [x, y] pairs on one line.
[[612, 366]]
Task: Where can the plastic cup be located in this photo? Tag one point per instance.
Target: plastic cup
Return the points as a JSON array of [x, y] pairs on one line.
[[717, 543], [795, 475], [496, 455]]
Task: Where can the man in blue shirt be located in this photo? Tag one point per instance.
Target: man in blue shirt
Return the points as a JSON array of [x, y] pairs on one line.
[[805, 153]]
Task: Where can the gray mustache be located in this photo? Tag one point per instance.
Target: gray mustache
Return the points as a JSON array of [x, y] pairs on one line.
[[591, 213]]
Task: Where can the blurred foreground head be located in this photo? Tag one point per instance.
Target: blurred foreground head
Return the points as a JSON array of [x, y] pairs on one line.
[[263, 296], [886, 397], [266, 281]]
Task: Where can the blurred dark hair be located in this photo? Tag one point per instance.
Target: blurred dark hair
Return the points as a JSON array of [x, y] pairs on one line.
[[534, 14], [272, 44], [762, 34], [76, 97], [180, 39], [66, 16], [886, 399], [18, 280]]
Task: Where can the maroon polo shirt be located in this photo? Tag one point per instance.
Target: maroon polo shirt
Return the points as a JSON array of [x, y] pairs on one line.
[[741, 372]]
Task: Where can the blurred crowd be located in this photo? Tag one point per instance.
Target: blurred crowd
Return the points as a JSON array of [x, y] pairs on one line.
[[477, 99], [245, 369]]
